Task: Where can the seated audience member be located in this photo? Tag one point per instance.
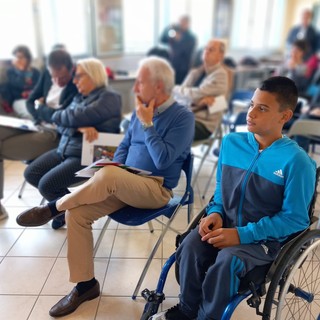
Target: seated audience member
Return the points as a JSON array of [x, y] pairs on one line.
[[202, 85], [21, 79], [55, 89], [295, 67], [18, 144], [150, 143], [305, 31], [261, 183], [94, 109]]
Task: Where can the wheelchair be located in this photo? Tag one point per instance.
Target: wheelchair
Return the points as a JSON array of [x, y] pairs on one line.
[[288, 288]]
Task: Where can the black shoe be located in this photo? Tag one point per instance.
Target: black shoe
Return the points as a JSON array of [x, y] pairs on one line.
[[35, 217], [72, 301], [58, 222], [173, 313]]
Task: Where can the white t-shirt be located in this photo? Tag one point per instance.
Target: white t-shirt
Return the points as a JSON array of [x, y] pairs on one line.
[[53, 97]]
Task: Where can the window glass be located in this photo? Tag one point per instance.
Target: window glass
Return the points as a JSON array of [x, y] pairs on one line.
[[108, 22], [65, 22], [257, 25], [138, 25], [16, 26], [199, 11]]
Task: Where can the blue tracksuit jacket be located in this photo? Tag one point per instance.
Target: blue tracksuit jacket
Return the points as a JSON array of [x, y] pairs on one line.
[[266, 194]]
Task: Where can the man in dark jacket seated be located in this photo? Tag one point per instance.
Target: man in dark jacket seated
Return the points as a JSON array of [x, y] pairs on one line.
[[55, 86]]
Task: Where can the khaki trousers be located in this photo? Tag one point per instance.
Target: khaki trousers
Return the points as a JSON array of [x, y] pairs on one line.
[[110, 189]]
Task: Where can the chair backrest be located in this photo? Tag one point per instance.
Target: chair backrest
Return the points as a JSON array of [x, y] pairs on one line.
[[305, 128], [230, 74], [243, 95]]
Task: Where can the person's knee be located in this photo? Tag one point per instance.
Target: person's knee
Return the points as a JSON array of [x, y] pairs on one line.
[[190, 246], [30, 176], [226, 256], [107, 173], [78, 216]]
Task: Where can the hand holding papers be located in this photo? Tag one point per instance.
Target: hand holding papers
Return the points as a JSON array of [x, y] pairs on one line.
[[89, 171], [103, 147], [101, 152]]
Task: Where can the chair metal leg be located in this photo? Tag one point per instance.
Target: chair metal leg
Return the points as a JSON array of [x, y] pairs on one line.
[[22, 189], [151, 228], [210, 180], [154, 250], [217, 136], [203, 158], [103, 231]]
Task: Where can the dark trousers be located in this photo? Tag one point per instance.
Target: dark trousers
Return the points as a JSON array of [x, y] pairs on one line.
[[210, 277], [52, 174], [201, 132]]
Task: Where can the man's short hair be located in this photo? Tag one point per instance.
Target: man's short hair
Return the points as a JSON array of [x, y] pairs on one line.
[[160, 70], [95, 69], [24, 50], [60, 58], [284, 89]]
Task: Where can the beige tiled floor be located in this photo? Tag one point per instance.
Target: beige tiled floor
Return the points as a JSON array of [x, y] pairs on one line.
[[34, 272]]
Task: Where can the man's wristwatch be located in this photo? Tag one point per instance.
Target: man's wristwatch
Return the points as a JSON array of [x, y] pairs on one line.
[[146, 125]]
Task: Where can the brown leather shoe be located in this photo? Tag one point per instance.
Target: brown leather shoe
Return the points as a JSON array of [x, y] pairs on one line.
[[72, 301], [35, 217]]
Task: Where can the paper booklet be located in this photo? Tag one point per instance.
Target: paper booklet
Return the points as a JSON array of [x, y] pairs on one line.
[[220, 104], [102, 148], [89, 171], [23, 124]]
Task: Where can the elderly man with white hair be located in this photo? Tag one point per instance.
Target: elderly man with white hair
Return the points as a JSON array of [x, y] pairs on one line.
[[202, 85], [158, 140]]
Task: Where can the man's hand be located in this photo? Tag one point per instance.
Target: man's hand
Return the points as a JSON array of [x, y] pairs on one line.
[[206, 101], [90, 133], [222, 237], [143, 112], [315, 112], [209, 223]]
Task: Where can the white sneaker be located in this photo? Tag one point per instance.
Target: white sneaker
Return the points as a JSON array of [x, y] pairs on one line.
[[159, 316], [3, 212], [171, 314]]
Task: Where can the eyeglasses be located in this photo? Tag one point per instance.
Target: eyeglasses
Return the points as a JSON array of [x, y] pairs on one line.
[[79, 76]]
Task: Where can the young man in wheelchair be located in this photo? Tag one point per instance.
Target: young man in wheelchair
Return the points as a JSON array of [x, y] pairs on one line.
[[264, 187]]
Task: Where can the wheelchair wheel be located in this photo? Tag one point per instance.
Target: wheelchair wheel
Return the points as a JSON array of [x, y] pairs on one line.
[[294, 291]]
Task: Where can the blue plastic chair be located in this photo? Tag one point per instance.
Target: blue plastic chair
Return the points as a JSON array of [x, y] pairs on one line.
[[232, 119], [131, 216]]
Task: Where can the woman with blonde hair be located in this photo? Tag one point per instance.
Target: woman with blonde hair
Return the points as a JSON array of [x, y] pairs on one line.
[[95, 108]]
